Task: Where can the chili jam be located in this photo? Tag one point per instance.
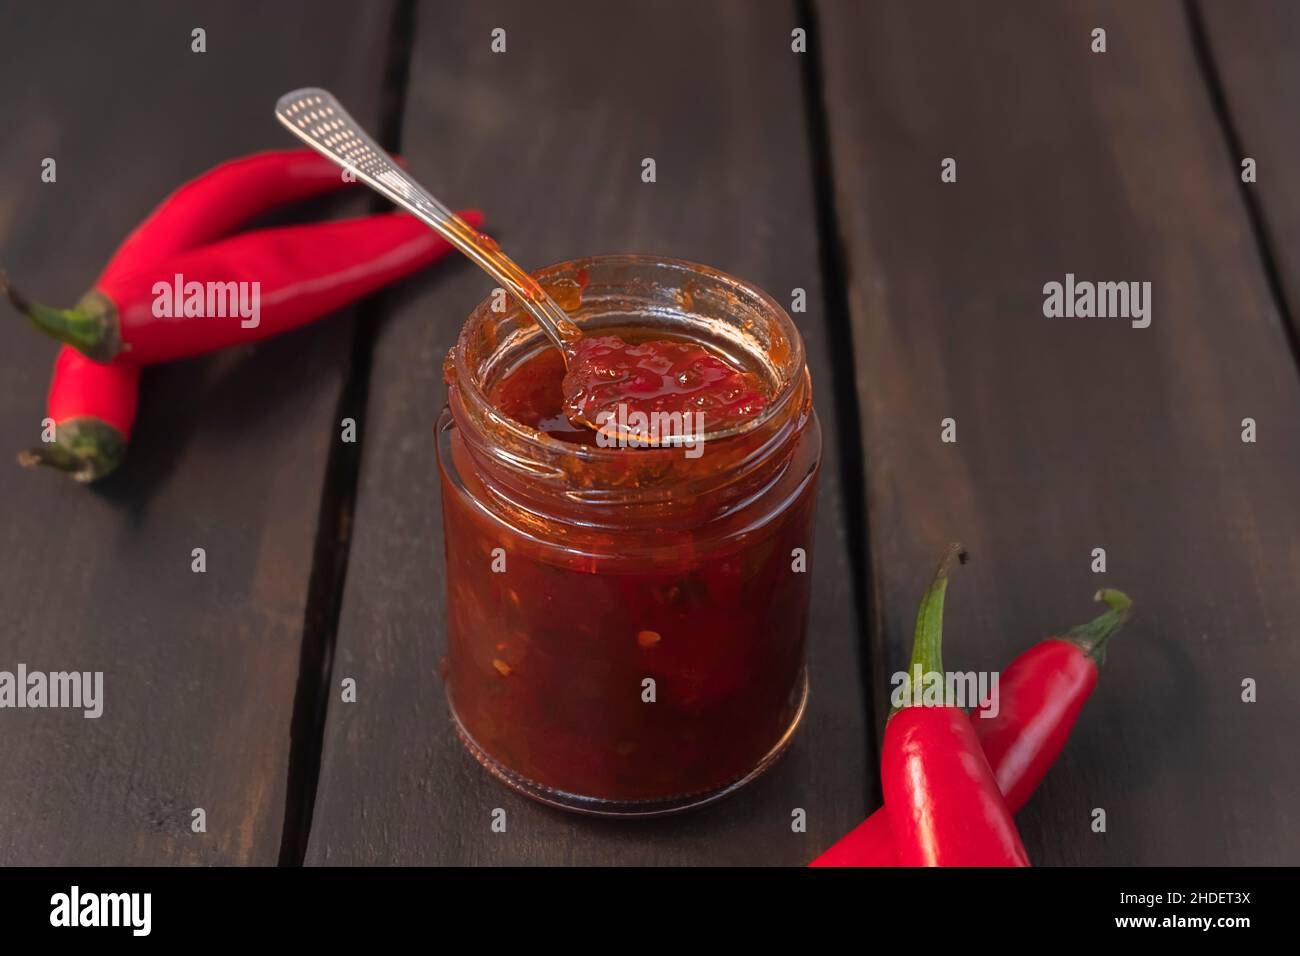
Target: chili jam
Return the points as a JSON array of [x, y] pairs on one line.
[[627, 625], [657, 376]]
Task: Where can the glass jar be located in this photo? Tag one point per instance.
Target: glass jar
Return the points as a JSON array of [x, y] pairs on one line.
[[627, 625]]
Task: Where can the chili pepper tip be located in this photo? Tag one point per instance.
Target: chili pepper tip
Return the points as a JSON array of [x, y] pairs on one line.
[[13, 295], [1117, 600], [955, 552], [86, 449]]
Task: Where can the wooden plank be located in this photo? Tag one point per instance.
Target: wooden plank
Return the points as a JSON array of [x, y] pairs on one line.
[[1075, 434], [229, 453], [548, 138], [1252, 46]]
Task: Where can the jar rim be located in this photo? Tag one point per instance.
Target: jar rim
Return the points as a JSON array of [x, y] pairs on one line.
[[790, 368]]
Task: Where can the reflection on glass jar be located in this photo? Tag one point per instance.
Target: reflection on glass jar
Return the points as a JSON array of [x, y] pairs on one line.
[[626, 626]]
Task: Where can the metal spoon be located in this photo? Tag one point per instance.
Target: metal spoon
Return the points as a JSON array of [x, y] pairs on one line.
[[320, 121]]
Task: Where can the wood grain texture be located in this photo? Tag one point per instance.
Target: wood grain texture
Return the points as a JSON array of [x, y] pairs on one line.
[[1254, 46], [1075, 434], [548, 138], [229, 451]]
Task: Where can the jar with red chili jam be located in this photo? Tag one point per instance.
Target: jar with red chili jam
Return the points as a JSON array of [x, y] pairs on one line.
[[627, 624]]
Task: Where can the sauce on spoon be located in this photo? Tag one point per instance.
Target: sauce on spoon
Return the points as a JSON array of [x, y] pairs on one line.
[[625, 367]]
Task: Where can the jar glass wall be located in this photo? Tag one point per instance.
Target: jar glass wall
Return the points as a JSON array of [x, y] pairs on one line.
[[627, 626]]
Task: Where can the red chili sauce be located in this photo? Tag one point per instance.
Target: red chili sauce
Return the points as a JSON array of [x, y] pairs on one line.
[[648, 375], [549, 659]]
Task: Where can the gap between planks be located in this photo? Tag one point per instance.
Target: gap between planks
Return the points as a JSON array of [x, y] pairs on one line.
[[1203, 51], [338, 499], [835, 284]]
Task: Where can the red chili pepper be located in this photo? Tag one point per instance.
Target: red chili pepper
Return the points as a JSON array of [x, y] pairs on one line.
[[248, 287], [204, 209], [1040, 696], [92, 405], [200, 211], [944, 805]]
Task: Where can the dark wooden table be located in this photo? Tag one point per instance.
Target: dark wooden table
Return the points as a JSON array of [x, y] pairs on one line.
[[818, 171]]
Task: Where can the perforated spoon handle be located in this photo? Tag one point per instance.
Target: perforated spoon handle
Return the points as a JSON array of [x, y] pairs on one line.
[[320, 121]]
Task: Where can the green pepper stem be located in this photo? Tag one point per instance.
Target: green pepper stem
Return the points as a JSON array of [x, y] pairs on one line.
[[1091, 638], [927, 639], [90, 326]]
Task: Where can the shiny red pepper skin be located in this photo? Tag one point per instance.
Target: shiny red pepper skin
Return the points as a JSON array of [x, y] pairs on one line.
[[81, 387], [299, 274], [943, 800], [93, 408], [1045, 689], [303, 273], [1041, 694], [945, 808], [215, 203], [204, 209]]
